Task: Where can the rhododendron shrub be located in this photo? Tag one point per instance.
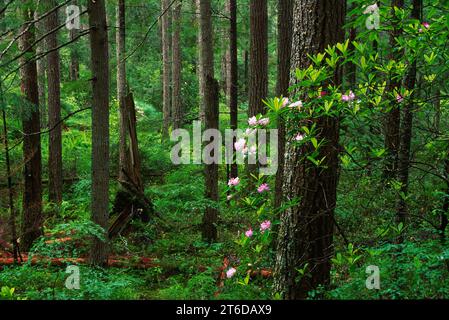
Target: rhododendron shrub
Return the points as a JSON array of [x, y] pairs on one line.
[[253, 241]]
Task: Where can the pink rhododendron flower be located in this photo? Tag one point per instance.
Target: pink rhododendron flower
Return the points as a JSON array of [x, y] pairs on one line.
[[348, 97], [240, 144], [249, 233], [425, 25], [263, 187], [323, 93], [230, 273], [297, 104], [264, 121], [250, 131], [265, 225], [252, 121], [300, 137], [399, 98], [233, 182], [284, 102]]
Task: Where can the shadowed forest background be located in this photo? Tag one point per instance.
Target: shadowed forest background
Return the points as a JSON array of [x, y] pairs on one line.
[[91, 93]]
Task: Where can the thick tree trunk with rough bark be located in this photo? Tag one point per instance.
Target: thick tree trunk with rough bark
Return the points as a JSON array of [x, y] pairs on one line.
[[211, 92], [233, 73], [121, 90], [306, 230], [166, 104], [285, 10], [54, 110], [176, 67], [258, 61], [32, 193], [100, 125]]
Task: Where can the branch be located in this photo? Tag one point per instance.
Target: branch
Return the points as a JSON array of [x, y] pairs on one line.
[[148, 31], [24, 51], [56, 124], [6, 7], [40, 56], [48, 130], [29, 24]]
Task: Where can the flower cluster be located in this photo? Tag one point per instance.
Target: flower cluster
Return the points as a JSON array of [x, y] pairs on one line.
[[261, 122], [348, 97]]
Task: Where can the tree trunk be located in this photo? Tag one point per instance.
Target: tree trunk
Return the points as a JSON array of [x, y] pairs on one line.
[[258, 61], [444, 221], [54, 110], [245, 72], [41, 67], [285, 10], [100, 125], [406, 131], [166, 69], [74, 66], [176, 67], [121, 90], [12, 211], [306, 231], [201, 81], [211, 93], [393, 117], [32, 194], [233, 74]]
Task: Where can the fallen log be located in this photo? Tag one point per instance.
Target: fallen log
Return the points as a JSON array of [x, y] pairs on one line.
[[113, 261]]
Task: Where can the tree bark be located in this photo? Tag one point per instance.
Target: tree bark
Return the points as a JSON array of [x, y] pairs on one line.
[[406, 131], [32, 194], [246, 72], [41, 69], [233, 74], [201, 80], [393, 117], [100, 125], [54, 109], [211, 92], [166, 105], [121, 90], [285, 11], [12, 211], [74, 67], [176, 67], [258, 61], [306, 230]]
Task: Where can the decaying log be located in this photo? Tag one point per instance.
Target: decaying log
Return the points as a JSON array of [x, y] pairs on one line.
[[113, 261]]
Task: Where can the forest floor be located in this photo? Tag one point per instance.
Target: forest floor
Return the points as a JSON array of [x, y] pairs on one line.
[[187, 268]]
